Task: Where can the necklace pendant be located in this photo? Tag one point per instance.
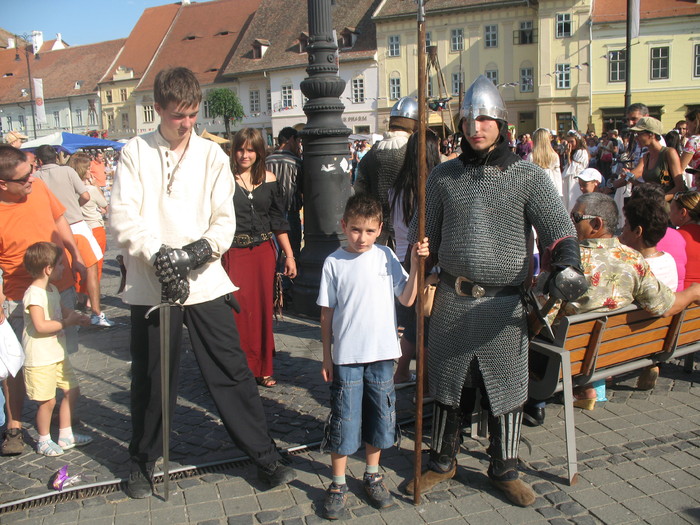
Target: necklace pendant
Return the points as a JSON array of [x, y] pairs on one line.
[[250, 196]]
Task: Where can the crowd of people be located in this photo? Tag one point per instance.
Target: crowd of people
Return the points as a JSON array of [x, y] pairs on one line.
[[616, 220]]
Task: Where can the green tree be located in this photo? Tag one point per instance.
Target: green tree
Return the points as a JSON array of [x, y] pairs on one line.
[[225, 103]]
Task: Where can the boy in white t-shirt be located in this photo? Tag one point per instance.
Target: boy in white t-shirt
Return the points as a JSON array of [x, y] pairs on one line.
[[358, 330], [46, 365]]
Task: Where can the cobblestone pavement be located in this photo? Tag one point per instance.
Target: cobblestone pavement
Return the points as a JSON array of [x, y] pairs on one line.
[[639, 453]]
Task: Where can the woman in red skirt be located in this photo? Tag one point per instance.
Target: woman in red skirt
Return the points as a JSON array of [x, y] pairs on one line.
[[251, 261]]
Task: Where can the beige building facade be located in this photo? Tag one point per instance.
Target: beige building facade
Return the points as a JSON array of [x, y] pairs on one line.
[[537, 53]]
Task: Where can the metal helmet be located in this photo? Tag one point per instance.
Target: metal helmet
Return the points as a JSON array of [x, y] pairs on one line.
[[482, 99], [406, 107]]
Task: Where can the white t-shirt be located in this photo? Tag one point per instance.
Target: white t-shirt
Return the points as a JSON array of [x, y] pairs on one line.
[[360, 287], [664, 269], [42, 350]]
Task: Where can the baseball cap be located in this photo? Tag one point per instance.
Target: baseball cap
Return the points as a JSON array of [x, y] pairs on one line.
[[590, 174], [649, 124], [11, 136]]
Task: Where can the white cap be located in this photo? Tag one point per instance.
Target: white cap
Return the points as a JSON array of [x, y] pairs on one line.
[[590, 174]]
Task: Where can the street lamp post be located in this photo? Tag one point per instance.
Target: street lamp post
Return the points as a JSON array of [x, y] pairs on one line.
[[326, 183], [29, 74]]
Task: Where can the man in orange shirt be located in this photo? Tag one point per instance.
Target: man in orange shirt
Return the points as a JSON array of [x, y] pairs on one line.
[[97, 170], [29, 213]]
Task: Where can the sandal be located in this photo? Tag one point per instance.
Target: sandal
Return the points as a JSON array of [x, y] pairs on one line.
[[78, 440], [267, 382], [49, 448]]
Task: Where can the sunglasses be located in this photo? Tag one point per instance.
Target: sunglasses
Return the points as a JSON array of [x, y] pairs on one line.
[[24, 179], [578, 217]]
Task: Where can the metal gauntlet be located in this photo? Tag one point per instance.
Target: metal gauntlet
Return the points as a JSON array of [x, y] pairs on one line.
[[567, 281], [199, 252]]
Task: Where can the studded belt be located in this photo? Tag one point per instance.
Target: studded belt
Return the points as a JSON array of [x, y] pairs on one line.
[[467, 288], [244, 240]]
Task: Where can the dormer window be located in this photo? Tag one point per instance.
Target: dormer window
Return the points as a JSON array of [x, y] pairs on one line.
[[260, 46], [223, 33], [191, 37], [303, 42], [348, 37], [78, 84]]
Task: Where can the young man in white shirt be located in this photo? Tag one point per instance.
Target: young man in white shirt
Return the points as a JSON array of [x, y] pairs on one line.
[[172, 208]]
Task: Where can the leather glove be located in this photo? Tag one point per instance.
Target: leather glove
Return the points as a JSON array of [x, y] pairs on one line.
[[176, 291], [172, 269], [199, 252]]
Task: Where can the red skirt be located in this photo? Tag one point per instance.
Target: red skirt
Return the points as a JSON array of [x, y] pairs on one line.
[[253, 271]]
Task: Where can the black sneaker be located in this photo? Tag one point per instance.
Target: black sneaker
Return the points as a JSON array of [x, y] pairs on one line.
[[140, 484], [336, 498], [276, 473], [377, 492], [13, 442]]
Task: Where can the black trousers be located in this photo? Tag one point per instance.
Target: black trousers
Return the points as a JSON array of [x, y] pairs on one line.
[[223, 363]]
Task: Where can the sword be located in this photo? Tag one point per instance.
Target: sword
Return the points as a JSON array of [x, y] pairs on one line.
[[537, 317], [164, 312]]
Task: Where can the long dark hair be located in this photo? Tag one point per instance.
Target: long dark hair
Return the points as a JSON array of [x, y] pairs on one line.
[[405, 186], [253, 137]]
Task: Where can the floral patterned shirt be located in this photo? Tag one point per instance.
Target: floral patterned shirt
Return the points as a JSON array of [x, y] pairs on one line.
[[617, 276]]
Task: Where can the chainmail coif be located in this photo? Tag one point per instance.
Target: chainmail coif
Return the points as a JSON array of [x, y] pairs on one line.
[[478, 220]]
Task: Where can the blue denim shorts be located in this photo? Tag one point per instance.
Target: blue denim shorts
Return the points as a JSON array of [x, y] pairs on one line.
[[363, 407]]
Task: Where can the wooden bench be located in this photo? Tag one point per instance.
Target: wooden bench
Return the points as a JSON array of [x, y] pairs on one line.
[[593, 346]]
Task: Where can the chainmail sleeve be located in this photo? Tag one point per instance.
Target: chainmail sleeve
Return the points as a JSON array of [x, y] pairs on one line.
[[545, 209]]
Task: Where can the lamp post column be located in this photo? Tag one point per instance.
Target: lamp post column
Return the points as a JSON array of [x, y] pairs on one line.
[[326, 183]]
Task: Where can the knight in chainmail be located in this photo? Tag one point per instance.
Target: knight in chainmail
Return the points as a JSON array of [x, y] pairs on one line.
[[480, 211], [380, 166]]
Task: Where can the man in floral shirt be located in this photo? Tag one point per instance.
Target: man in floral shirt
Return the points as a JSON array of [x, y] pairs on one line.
[[617, 274]]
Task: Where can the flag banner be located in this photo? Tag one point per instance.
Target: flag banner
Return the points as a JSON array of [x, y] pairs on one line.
[[39, 101], [634, 17]]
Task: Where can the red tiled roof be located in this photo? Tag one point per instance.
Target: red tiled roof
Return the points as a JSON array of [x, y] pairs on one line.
[[394, 8], [282, 27], [201, 39], [144, 39], [60, 70], [616, 10]]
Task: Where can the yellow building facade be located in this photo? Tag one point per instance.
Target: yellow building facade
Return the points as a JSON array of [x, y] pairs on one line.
[[664, 72], [118, 106], [536, 52]]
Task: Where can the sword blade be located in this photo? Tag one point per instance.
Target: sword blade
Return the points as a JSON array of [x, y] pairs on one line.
[[165, 393]]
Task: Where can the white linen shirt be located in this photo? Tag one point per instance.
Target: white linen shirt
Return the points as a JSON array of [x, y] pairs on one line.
[[155, 201]]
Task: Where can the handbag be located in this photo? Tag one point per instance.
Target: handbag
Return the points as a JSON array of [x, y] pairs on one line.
[[428, 292], [11, 353]]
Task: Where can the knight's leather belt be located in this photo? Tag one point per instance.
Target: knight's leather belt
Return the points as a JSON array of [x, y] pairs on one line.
[[244, 240], [468, 288]]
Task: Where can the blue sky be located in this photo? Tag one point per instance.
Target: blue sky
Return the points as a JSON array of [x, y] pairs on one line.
[[78, 21]]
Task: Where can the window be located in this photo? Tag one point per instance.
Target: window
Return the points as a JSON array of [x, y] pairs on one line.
[[125, 121], [9, 122], [269, 100], [21, 122], [110, 121], [148, 113], [696, 65], [431, 88], [287, 96], [394, 45], [254, 100], [524, 35], [659, 63], [92, 118], [394, 88], [492, 75], [617, 65], [563, 75], [78, 117], [457, 82], [526, 80], [122, 95], [491, 36], [56, 119], [428, 39], [108, 96], [563, 28], [205, 109], [457, 40], [358, 90]]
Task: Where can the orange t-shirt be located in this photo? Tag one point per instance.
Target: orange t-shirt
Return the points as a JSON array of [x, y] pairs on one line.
[[21, 225], [97, 170]]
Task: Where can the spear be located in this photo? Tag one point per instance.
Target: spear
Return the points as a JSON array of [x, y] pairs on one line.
[[422, 176]]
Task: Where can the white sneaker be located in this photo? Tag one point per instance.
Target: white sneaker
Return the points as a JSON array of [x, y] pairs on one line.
[[101, 320]]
